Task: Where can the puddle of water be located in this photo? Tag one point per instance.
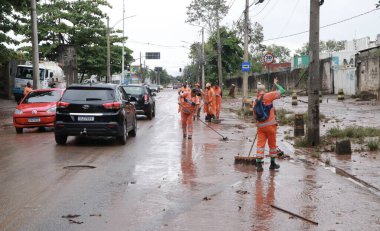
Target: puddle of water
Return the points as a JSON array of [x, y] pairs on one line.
[[79, 167]]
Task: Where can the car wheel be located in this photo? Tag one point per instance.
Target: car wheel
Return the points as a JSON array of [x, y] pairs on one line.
[[133, 132], [123, 137], [150, 114], [60, 139], [18, 130]]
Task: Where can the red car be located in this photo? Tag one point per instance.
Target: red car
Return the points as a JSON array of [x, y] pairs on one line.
[[37, 109]]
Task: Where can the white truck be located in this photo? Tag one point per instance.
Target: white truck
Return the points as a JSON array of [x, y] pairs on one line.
[[51, 75]]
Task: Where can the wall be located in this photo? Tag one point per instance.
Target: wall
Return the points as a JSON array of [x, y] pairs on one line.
[[368, 71]]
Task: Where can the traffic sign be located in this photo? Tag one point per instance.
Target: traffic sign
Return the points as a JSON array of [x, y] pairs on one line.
[[268, 58], [152, 55], [245, 67], [158, 69]]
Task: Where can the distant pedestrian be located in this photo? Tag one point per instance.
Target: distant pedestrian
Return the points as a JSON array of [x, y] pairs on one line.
[[189, 102], [200, 98], [218, 99], [28, 88], [266, 129]]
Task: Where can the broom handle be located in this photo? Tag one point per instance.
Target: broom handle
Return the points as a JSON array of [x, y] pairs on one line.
[[252, 145]]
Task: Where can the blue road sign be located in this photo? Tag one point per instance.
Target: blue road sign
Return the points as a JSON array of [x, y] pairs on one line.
[[245, 67]]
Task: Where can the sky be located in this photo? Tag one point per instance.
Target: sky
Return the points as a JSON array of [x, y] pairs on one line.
[[159, 25]]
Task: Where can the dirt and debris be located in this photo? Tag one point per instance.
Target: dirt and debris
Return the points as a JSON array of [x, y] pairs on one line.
[[242, 192], [75, 222], [69, 216], [95, 215], [206, 198]]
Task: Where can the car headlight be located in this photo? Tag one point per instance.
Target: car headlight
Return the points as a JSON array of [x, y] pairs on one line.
[[18, 112], [52, 109]]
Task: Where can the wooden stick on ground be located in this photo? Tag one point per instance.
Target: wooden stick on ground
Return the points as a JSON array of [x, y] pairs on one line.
[[293, 214]]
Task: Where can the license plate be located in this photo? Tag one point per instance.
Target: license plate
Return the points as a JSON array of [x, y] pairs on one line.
[[34, 120], [85, 118]]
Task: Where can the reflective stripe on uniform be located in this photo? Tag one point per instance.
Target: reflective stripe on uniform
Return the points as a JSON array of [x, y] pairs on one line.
[[266, 123]]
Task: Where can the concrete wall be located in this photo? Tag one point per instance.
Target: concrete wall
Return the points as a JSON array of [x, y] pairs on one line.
[[368, 71]]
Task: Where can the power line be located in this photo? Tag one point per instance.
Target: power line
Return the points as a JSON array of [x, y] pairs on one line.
[[328, 25], [262, 9], [291, 16], [157, 45]]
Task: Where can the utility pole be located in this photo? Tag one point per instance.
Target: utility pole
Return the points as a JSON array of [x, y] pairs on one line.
[[314, 78], [220, 75], [203, 58], [108, 76], [122, 52], [36, 71], [245, 74]]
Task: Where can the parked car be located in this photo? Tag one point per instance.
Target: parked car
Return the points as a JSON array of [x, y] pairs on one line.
[[96, 109], [145, 103], [154, 88], [37, 109]]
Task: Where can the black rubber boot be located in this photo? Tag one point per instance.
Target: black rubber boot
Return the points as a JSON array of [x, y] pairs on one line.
[[273, 165], [259, 166]]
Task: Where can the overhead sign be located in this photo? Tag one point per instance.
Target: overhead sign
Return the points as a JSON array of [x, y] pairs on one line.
[[152, 55], [158, 69], [245, 67], [268, 58]]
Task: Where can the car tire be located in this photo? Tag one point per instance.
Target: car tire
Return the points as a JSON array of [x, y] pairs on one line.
[[133, 132], [154, 111], [60, 139], [150, 114], [123, 137], [19, 130]]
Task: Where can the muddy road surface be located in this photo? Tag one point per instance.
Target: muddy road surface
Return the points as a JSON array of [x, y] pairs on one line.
[[160, 181]]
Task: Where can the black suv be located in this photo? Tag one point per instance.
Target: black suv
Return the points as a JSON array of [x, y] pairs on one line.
[[145, 103], [95, 109]]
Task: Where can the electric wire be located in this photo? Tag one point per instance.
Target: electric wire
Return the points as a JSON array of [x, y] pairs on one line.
[[291, 16], [328, 25]]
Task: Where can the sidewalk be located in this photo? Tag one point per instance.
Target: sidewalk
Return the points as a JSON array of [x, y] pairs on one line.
[[7, 108], [236, 197]]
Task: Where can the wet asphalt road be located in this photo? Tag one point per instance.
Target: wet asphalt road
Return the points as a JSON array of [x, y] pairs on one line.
[[159, 181]]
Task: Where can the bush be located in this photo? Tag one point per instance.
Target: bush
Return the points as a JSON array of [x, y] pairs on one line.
[[353, 132], [373, 145]]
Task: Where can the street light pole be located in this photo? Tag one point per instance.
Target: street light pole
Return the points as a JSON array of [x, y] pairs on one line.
[[122, 52], [203, 58], [245, 74], [108, 76], [36, 71]]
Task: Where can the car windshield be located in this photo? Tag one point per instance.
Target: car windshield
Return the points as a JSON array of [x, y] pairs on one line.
[[153, 86], [90, 94], [130, 90], [42, 97]]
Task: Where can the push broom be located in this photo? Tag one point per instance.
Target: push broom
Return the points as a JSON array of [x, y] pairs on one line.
[[247, 159]]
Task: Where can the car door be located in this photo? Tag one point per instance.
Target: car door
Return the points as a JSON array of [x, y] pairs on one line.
[[128, 108]]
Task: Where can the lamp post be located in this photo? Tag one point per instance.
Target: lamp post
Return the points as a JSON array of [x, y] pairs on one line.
[[203, 53], [108, 47]]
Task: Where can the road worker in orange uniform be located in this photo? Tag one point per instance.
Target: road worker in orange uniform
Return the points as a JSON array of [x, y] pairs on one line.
[[218, 99], [189, 102], [266, 130], [28, 88], [183, 89], [209, 103]]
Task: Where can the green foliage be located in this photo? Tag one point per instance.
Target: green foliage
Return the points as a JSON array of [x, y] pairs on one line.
[[324, 46], [81, 24], [232, 53], [280, 52], [208, 12], [373, 145], [353, 132], [301, 142]]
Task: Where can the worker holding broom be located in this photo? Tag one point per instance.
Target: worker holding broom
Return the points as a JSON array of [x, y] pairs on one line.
[[189, 102], [209, 103], [183, 89], [218, 99], [263, 111]]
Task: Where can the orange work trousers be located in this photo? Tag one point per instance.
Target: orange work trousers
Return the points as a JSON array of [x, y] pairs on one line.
[[218, 106], [264, 134], [187, 123]]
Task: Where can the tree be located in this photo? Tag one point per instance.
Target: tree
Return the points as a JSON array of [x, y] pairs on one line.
[[81, 24], [9, 17], [280, 52], [208, 12], [231, 50], [328, 46]]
